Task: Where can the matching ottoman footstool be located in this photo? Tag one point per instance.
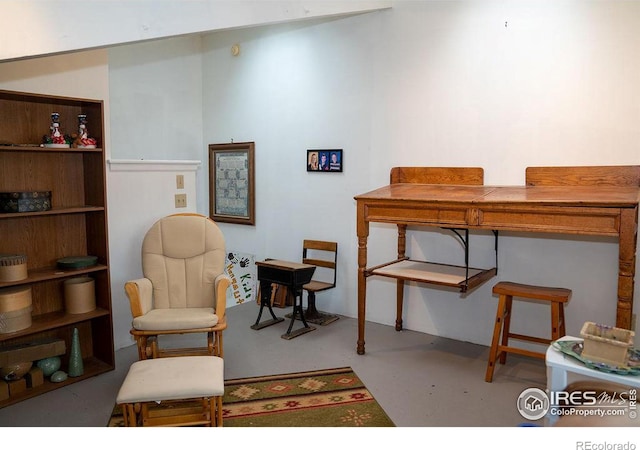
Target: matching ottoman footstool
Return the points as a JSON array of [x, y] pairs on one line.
[[175, 380]]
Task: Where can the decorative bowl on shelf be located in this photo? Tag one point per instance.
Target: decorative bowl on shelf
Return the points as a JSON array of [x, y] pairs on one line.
[[77, 262], [15, 371], [56, 145]]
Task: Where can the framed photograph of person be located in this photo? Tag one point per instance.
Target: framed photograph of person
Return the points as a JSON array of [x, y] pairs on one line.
[[232, 183], [329, 160]]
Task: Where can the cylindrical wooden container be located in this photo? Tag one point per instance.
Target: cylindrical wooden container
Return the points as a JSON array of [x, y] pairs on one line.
[[15, 309], [13, 267], [79, 295]]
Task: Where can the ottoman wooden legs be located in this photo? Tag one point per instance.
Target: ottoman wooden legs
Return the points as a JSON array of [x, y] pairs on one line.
[[190, 386]]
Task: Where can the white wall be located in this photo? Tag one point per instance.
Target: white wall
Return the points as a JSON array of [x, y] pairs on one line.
[[156, 114], [140, 192], [506, 85], [426, 83], [292, 88], [501, 85]]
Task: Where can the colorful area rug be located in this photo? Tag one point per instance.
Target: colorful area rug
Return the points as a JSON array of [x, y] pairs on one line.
[[323, 398]]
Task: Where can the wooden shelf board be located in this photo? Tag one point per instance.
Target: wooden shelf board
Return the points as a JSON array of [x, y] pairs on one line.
[[54, 211], [37, 148], [52, 273], [51, 321], [433, 273], [92, 367]]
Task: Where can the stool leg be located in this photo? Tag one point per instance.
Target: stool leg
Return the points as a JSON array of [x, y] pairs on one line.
[[129, 415], [220, 347], [563, 331], [211, 344], [556, 323], [141, 342], [144, 414], [209, 409], [155, 348], [506, 328], [219, 411], [497, 329]]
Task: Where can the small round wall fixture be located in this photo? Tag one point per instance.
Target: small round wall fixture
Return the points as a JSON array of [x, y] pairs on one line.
[[235, 49]]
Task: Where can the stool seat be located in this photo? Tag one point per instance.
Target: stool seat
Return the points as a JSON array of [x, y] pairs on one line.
[[555, 296], [173, 378]]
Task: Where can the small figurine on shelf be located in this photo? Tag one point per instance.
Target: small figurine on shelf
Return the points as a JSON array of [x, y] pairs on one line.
[[82, 140], [55, 138]]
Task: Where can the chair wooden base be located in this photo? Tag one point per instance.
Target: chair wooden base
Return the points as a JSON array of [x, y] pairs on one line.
[[149, 348], [502, 334], [176, 414]]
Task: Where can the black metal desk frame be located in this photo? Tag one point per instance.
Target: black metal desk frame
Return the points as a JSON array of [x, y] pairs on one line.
[[291, 275]]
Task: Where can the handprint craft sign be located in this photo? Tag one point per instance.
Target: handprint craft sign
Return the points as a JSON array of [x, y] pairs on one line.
[[241, 268]]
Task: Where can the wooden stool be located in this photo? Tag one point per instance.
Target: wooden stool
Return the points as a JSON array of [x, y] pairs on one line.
[[557, 297], [173, 379]]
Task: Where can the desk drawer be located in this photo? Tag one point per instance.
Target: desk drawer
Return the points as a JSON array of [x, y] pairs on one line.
[[417, 213], [591, 221]]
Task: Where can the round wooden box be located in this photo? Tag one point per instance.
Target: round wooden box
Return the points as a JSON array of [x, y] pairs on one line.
[[79, 295], [13, 267], [15, 309]]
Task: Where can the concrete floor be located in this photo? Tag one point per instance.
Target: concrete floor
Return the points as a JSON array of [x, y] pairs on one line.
[[420, 380]]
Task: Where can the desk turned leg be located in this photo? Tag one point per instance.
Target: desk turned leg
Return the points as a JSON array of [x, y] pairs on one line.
[[265, 300], [362, 290], [399, 303], [626, 267], [402, 248]]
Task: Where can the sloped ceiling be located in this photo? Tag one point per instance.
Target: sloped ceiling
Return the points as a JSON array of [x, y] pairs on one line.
[[33, 28]]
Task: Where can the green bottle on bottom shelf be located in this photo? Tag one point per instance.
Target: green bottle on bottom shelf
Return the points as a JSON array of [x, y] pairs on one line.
[[76, 367]]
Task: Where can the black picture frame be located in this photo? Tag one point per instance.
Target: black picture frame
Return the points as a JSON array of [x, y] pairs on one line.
[[334, 160], [232, 183]]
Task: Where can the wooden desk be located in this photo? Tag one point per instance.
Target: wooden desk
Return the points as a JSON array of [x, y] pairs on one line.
[[581, 210], [292, 275]]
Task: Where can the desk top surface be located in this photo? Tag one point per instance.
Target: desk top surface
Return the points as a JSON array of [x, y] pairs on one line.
[[554, 195], [284, 265]]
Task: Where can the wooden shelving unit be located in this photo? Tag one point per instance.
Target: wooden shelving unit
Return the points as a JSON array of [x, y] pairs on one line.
[[76, 225]]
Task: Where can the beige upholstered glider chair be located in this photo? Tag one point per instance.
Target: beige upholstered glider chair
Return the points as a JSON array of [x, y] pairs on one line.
[[184, 286]]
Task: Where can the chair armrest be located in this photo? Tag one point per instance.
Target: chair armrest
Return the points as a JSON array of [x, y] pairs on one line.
[[140, 293], [221, 284]]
